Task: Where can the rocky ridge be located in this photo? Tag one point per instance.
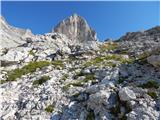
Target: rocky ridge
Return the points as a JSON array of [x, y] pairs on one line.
[[49, 77]]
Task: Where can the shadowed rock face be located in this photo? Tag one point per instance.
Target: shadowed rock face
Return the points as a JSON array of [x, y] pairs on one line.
[[76, 29]]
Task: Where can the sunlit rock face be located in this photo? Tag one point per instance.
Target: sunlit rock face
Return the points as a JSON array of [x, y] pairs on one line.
[[77, 29], [12, 36]]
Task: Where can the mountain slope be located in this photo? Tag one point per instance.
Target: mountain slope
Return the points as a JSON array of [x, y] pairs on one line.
[[50, 77], [138, 42]]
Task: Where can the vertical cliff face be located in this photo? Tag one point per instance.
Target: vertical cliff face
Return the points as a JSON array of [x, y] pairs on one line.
[[77, 29]]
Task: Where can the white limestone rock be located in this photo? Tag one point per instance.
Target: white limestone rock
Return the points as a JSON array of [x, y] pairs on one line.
[[126, 94]]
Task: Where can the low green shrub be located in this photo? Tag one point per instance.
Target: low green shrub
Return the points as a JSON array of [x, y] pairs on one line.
[[150, 84], [153, 95], [30, 68], [49, 108], [42, 80]]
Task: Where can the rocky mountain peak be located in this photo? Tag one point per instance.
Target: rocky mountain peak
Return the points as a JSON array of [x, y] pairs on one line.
[[76, 28]]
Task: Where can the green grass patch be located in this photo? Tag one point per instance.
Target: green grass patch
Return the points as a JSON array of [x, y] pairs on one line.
[[150, 84], [30, 68], [42, 80], [49, 108], [153, 95]]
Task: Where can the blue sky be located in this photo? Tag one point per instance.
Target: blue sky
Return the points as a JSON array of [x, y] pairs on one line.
[[109, 19]]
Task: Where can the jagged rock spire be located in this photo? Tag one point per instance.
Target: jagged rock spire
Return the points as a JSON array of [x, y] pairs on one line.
[[76, 28]]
